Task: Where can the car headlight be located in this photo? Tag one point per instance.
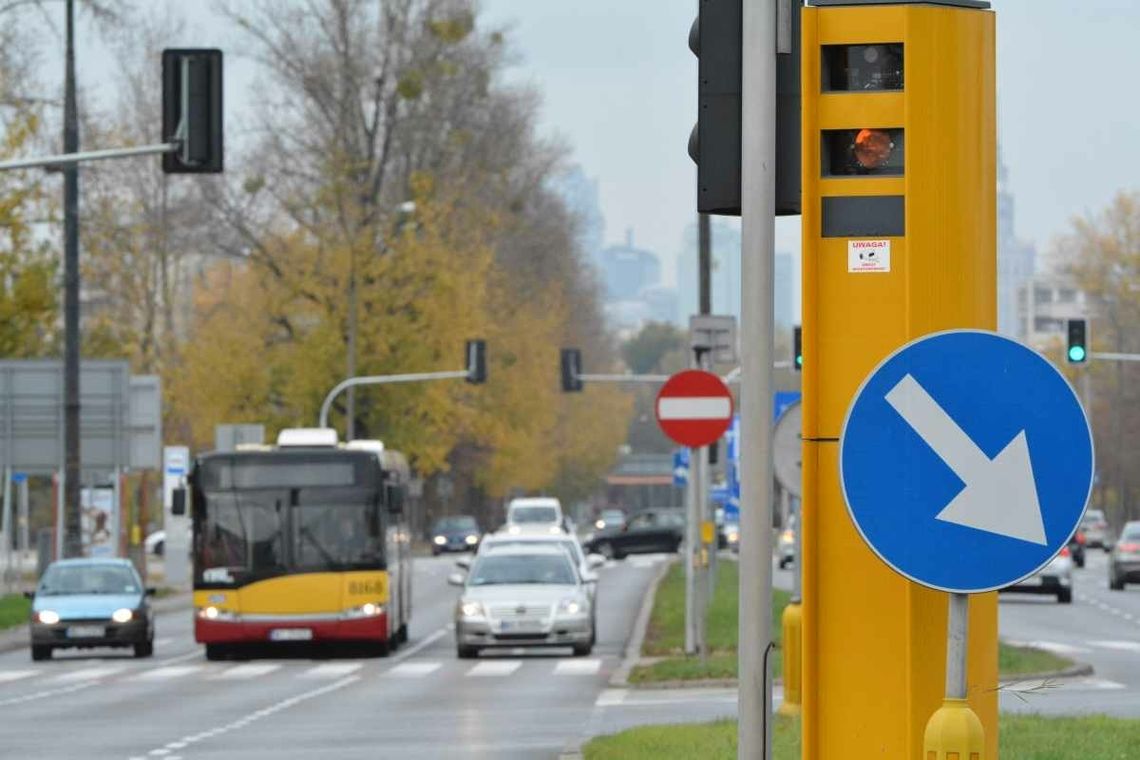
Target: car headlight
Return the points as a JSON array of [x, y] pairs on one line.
[[472, 540], [122, 615], [366, 610], [571, 606], [215, 613], [471, 609], [788, 536], [600, 524], [47, 617], [440, 540], [732, 536], [555, 529]]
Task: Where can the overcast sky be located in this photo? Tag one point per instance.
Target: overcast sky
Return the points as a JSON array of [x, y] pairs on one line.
[[619, 87]]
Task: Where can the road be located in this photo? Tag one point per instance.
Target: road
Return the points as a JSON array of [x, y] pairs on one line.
[[421, 702]]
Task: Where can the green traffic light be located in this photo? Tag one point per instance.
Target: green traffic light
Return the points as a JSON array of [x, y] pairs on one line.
[[799, 361], [1076, 353]]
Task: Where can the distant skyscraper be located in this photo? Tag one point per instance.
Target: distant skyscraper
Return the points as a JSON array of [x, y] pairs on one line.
[[581, 196], [725, 286], [1016, 263], [627, 270]]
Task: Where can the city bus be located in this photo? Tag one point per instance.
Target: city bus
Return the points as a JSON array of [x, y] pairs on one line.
[[305, 541]]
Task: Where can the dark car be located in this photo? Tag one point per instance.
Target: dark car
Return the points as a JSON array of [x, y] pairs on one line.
[[653, 530], [455, 534], [83, 603], [1077, 547]]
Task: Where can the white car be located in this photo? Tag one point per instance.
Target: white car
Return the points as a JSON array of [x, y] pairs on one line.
[[587, 564], [155, 543], [536, 513], [1055, 579]]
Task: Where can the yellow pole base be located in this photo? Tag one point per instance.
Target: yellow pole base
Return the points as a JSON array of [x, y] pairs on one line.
[[954, 732], [793, 626]]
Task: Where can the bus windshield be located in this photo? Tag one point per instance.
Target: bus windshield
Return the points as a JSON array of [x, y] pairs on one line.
[[264, 533]]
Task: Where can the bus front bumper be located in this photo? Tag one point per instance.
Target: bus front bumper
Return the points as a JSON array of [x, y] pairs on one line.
[[290, 628]]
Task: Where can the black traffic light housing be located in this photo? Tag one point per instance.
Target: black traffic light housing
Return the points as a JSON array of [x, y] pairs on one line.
[[797, 348], [571, 370], [717, 39], [476, 362], [1077, 351], [192, 110]]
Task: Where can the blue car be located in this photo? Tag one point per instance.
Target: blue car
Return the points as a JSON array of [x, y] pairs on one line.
[[83, 603], [455, 534]]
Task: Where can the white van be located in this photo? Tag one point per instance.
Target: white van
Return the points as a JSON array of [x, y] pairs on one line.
[[535, 513]]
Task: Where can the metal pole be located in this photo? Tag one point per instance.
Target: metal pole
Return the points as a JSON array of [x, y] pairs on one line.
[[352, 382], [704, 263], [708, 512], [72, 158], [7, 534], [691, 542], [72, 541], [22, 502], [350, 399], [758, 200], [956, 646], [624, 378], [1114, 356]]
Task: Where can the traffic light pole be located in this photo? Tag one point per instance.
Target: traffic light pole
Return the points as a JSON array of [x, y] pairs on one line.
[[73, 157], [72, 540], [758, 202]]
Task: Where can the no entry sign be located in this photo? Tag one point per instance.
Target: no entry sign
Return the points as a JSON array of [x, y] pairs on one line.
[[694, 408]]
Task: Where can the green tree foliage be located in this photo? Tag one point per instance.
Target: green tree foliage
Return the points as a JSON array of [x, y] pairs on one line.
[[644, 352]]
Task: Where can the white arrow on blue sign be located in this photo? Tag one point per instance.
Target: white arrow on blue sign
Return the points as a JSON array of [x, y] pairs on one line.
[[966, 461], [680, 467]]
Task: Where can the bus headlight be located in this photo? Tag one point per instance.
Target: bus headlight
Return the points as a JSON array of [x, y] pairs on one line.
[[122, 615], [366, 610], [215, 613]]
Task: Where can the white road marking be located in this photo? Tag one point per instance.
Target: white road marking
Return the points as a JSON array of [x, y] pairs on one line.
[[1050, 646], [645, 560], [16, 675], [170, 671], [333, 670], [164, 641], [577, 667], [197, 653], [86, 674], [46, 694], [414, 669], [1122, 646], [248, 670], [494, 668]]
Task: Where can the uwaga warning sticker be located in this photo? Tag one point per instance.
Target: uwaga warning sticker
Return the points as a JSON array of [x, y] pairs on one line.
[[868, 255]]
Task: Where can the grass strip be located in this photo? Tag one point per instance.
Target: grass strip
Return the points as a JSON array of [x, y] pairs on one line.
[[14, 610]]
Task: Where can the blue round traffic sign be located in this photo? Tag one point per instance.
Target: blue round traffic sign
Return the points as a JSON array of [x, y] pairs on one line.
[[966, 461]]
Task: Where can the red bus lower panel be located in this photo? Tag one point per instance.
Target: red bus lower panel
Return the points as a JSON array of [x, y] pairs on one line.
[[234, 632]]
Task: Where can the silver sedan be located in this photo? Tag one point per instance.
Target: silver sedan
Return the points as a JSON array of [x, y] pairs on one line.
[[523, 596]]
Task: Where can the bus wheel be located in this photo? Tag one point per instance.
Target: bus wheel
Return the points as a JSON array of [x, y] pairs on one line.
[[216, 652], [381, 648]]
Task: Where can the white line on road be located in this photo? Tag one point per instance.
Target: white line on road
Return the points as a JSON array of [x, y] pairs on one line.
[[332, 670], [180, 658], [577, 667], [414, 669], [45, 694], [495, 668], [170, 671], [1050, 646], [16, 675], [248, 670], [87, 674], [1122, 646]]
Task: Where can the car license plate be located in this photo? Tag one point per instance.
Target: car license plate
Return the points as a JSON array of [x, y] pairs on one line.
[[291, 634], [85, 632], [520, 626]]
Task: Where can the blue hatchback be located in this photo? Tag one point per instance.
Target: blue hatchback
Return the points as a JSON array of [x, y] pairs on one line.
[[82, 603]]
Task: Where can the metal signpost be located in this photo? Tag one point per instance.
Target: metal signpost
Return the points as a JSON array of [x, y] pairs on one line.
[[966, 462]]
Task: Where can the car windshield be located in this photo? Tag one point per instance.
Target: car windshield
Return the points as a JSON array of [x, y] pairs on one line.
[[1131, 533], [457, 524], [1094, 516], [671, 519], [504, 569], [534, 515], [60, 580], [612, 516]]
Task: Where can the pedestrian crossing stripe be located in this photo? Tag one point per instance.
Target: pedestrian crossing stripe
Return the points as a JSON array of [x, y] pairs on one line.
[[414, 669], [16, 675], [169, 671], [333, 670], [493, 668], [248, 670]]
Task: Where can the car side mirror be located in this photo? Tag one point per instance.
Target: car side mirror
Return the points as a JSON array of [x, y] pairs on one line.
[[456, 579], [178, 502], [464, 562], [29, 595], [151, 591], [594, 561]]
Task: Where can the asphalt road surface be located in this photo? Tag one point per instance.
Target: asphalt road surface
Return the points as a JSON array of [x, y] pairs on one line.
[[421, 702]]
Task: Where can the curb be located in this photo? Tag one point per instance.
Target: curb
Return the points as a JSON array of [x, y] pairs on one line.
[[1075, 671], [632, 656], [17, 638]]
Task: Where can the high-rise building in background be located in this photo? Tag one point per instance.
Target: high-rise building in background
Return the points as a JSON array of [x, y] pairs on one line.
[[725, 286], [628, 270], [1016, 264], [582, 199]]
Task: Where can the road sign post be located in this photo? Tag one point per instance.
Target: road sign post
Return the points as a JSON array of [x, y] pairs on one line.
[[966, 462], [899, 240]]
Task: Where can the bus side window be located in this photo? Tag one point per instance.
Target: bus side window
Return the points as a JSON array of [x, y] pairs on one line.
[[395, 496]]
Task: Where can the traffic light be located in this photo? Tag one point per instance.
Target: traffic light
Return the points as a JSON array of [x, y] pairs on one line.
[[192, 110], [797, 348], [716, 38], [571, 370], [476, 362], [1078, 352]]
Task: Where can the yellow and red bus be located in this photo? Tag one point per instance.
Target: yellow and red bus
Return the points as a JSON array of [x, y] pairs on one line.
[[302, 542]]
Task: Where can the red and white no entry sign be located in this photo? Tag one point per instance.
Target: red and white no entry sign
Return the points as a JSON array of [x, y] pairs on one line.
[[694, 408]]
